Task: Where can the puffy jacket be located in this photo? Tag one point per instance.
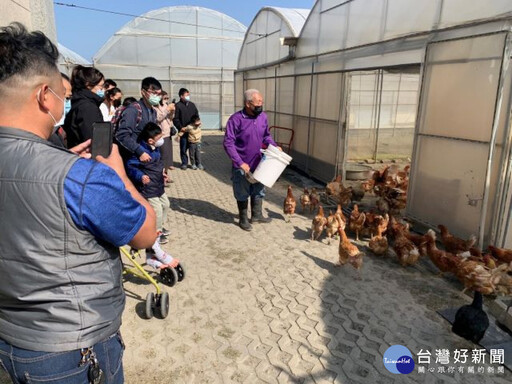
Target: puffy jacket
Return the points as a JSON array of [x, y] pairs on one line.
[[85, 110], [135, 169]]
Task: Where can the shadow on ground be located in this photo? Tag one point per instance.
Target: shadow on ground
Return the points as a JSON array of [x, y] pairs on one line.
[[201, 208]]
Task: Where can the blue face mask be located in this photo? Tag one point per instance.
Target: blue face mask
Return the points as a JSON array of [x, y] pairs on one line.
[[100, 93], [187, 97], [67, 106]]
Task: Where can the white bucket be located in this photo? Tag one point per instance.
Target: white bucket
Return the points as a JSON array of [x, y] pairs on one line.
[[271, 166]]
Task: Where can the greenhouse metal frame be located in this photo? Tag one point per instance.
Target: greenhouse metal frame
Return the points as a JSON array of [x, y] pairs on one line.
[[371, 79], [191, 47]]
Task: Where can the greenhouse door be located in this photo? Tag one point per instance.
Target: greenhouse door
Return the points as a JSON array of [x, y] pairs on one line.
[[382, 114], [459, 139]]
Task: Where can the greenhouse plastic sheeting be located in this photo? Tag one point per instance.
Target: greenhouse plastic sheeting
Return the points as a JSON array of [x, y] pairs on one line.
[[261, 44], [68, 59], [338, 25], [192, 47], [449, 174]]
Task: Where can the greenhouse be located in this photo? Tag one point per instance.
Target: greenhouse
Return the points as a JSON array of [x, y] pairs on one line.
[[68, 59], [192, 47], [387, 80]]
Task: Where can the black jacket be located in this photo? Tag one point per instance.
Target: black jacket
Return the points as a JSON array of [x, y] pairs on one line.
[[135, 169], [85, 110], [183, 113]]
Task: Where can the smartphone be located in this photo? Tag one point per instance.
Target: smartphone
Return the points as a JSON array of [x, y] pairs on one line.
[[101, 139]]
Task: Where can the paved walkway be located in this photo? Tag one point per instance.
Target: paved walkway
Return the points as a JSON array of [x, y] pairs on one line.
[[270, 306]]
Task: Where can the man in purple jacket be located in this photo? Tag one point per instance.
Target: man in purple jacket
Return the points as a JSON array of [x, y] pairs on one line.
[[246, 134]]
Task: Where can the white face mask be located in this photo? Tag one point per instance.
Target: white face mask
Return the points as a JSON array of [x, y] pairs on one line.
[[159, 142], [55, 122]]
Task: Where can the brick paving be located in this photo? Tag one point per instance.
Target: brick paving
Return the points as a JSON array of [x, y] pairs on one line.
[[269, 306]]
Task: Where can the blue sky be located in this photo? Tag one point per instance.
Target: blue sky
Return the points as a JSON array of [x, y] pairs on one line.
[[85, 31]]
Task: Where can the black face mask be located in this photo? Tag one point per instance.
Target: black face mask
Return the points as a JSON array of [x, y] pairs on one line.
[[117, 103], [257, 110]]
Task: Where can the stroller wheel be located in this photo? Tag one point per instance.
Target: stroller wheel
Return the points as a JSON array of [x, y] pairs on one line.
[[169, 276], [181, 272], [163, 305], [150, 300]]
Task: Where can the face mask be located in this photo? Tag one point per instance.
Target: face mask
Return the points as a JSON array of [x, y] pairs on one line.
[[100, 93], [159, 142], [67, 106], [257, 110], [154, 99], [187, 98], [117, 103], [58, 97]]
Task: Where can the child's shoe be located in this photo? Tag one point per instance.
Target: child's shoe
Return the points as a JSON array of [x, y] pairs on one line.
[[200, 167], [165, 232], [162, 239], [194, 167]]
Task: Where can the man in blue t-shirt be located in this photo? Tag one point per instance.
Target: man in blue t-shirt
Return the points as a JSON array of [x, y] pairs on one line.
[[63, 219]]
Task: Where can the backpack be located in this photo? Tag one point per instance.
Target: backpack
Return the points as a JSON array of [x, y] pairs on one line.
[[119, 113]]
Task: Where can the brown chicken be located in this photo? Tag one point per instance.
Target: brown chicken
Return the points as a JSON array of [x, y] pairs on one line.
[[332, 226], [378, 245], [333, 188], [381, 225], [454, 244], [476, 277], [406, 251], [501, 254], [349, 253], [345, 195], [314, 200], [289, 204], [357, 220], [380, 177], [358, 193], [304, 199], [383, 205], [503, 282], [418, 240], [445, 261], [487, 259], [341, 216], [319, 222], [368, 185]]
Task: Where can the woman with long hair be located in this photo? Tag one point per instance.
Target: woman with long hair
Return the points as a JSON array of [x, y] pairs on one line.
[[111, 102], [88, 93]]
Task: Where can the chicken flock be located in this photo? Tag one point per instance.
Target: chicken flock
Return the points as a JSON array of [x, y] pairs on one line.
[[488, 272]]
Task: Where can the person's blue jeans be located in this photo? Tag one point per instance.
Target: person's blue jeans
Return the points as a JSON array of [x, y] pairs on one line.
[[243, 189], [26, 366], [183, 149]]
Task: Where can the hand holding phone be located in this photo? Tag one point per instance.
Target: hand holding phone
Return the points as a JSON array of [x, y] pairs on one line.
[[101, 139]]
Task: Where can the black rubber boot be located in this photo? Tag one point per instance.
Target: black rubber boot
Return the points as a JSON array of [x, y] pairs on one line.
[[257, 211], [242, 214]]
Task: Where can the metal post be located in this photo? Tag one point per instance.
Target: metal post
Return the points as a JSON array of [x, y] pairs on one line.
[[309, 116], [499, 101], [380, 81], [221, 97], [275, 95], [341, 153], [415, 145]]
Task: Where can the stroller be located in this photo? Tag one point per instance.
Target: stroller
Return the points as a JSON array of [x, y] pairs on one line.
[[169, 276]]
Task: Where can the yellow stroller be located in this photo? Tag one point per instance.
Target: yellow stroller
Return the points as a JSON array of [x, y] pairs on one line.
[[169, 276]]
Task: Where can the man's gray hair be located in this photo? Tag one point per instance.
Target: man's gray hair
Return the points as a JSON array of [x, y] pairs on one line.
[[249, 94]]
